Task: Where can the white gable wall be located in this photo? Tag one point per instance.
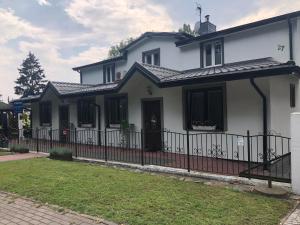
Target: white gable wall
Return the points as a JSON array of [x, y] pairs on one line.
[[258, 43]]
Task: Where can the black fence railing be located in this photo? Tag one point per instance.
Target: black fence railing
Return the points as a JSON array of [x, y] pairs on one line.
[[222, 153]]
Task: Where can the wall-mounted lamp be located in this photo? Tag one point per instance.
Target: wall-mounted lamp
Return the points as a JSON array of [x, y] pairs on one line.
[[149, 90]]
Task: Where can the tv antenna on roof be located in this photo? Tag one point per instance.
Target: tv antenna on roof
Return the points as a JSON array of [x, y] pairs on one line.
[[199, 8]]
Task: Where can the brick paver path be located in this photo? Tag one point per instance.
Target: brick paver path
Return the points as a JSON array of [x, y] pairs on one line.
[[21, 211], [294, 218], [5, 158]]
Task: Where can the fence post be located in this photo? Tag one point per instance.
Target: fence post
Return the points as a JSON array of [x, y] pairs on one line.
[[37, 139], [75, 140], [188, 150], [142, 147], [51, 138], [249, 154], [18, 136], [105, 144]]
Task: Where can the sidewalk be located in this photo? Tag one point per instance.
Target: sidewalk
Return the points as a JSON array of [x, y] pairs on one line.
[[294, 218], [21, 156], [21, 211]]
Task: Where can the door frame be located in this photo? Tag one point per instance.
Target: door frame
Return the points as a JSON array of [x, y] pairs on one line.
[[160, 99], [59, 117]]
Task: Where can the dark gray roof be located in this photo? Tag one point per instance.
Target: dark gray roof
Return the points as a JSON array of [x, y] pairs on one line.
[[5, 107], [169, 75], [165, 77], [65, 87]]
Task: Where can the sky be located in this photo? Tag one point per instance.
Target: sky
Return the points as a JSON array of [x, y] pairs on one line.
[[68, 33]]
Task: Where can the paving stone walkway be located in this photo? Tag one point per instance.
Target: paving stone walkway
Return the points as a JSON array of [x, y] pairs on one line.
[[294, 218], [5, 158], [16, 210]]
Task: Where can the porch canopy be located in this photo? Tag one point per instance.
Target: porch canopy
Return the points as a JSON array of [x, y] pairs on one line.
[[164, 77]]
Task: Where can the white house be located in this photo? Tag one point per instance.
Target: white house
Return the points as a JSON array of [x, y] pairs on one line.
[[228, 81]]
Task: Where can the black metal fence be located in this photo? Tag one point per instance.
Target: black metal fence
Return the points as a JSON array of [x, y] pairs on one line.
[[222, 153]]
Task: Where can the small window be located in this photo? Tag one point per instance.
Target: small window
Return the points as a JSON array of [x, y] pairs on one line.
[[116, 110], [86, 112], [213, 54], [109, 73], [292, 95], [45, 114], [205, 109], [151, 57], [208, 55], [218, 53]]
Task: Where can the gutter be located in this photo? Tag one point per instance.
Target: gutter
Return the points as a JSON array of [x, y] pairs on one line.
[[265, 122], [291, 38]]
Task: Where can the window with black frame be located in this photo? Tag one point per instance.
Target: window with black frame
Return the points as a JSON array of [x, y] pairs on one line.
[[86, 112], [116, 110], [205, 109], [45, 113], [151, 57]]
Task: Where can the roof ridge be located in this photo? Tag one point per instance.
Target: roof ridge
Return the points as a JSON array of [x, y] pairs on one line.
[[72, 83]]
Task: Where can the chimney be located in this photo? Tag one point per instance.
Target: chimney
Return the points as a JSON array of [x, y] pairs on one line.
[[205, 27]]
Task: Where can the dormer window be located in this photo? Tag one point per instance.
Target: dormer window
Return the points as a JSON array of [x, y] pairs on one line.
[[212, 54], [109, 75], [151, 57]]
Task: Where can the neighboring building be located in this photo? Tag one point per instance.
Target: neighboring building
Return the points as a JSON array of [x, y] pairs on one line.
[[233, 80]]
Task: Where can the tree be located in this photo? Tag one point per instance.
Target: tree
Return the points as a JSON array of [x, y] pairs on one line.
[[114, 50], [186, 28], [31, 80]]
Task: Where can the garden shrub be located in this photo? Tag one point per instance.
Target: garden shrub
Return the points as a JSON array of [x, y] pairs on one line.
[[19, 149], [61, 154]]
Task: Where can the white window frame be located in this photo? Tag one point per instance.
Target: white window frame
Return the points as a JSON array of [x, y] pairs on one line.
[[110, 75], [213, 52]]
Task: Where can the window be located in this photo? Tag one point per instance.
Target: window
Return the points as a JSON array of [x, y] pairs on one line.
[[116, 110], [205, 109], [45, 114], [213, 53], [151, 57], [292, 95], [109, 75], [86, 112]]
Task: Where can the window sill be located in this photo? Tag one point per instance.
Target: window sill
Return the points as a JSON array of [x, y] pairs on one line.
[[86, 126], [207, 131]]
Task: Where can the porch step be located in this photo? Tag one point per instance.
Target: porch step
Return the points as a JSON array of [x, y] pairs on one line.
[[275, 191]]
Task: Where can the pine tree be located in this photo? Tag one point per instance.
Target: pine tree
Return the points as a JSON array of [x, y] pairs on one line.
[[31, 80]]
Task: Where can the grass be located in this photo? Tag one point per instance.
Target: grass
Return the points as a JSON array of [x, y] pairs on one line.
[[2, 153], [136, 198]]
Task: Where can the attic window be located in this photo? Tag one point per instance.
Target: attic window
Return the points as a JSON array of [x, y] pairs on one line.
[[151, 57], [109, 75], [213, 53]]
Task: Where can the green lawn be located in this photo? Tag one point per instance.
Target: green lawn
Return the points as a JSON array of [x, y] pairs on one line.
[[5, 153], [136, 198]]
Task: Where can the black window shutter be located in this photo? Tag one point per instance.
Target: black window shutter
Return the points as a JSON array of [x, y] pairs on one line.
[[104, 74], [143, 58], [292, 95]]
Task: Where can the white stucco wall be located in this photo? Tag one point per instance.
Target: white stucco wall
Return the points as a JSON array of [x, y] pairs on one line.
[[258, 43]]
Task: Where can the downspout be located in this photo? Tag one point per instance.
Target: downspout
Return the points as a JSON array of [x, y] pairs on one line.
[[291, 39], [265, 123]]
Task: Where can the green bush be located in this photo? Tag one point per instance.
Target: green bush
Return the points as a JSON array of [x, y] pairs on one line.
[[61, 154], [19, 149]]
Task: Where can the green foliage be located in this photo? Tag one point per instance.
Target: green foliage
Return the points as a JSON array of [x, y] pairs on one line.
[[127, 197], [186, 28], [31, 80], [114, 50], [61, 154], [19, 149]]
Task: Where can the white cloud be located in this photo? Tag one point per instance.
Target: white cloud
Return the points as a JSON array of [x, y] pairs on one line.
[[44, 2], [267, 9], [114, 20]]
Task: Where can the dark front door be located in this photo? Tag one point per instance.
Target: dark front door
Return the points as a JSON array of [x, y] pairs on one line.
[[64, 124], [152, 125]]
